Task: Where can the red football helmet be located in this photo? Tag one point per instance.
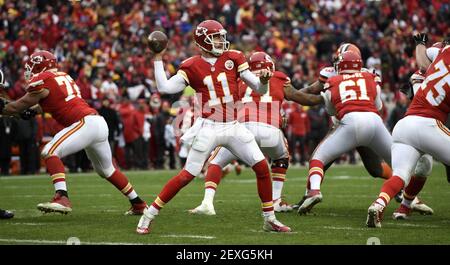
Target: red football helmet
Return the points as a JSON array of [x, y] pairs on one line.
[[349, 62], [39, 62], [204, 36], [346, 47], [261, 60]]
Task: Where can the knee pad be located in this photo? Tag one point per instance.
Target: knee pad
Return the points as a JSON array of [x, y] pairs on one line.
[[104, 173], [424, 166], [280, 163]]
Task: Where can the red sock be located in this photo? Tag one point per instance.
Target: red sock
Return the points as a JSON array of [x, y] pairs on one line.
[[56, 169], [390, 188], [213, 176], [120, 181], [315, 170], [264, 184], [387, 171], [172, 187], [414, 187], [278, 173]]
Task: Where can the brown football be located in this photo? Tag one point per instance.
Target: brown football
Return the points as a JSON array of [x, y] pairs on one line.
[[157, 41]]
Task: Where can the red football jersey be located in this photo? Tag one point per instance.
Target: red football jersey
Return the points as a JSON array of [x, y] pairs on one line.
[[216, 85], [264, 108], [352, 93], [432, 100], [64, 101]]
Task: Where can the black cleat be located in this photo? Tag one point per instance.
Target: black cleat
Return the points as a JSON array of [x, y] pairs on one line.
[[5, 214]]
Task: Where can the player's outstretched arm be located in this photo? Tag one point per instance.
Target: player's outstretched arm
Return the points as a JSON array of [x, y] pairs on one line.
[[26, 102], [421, 51], [260, 85], [314, 88], [300, 97], [169, 86]]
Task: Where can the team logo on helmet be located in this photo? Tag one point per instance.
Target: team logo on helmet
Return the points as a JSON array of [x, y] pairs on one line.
[[229, 64], [201, 31]]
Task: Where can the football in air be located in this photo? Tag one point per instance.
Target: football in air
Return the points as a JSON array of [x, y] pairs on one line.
[[157, 41]]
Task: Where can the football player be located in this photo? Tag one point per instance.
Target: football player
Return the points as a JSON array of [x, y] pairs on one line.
[[372, 162], [56, 93], [428, 111], [353, 96], [214, 76], [260, 114], [425, 163]]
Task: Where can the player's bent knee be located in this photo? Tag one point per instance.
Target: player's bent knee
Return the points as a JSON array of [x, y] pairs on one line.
[[280, 163], [105, 173], [424, 166]]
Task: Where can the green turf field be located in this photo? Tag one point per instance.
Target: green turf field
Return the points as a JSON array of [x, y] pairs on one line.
[[98, 208]]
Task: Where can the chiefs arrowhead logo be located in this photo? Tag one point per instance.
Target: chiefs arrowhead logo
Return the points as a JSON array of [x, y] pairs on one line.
[[37, 59], [201, 31]]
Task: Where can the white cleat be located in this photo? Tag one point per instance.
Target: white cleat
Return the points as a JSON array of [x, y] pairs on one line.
[[280, 206], [420, 207], [313, 198], [143, 227], [271, 224], [375, 215], [204, 209]]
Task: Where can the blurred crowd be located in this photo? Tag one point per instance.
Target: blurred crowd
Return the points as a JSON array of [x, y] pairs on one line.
[[102, 45]]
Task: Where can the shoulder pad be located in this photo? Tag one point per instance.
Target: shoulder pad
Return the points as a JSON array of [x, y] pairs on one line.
[[327, 72], [234, 54], [39, 79], [189, 61]]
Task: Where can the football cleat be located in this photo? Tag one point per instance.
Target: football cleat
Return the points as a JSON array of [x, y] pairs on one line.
[[59, 204], [418, 206], [204, 208], [402, 213], [280, 206], [136, 209], [145, 222], [312, 198], [271, 224], [375, 215], [295, 206], [5, 214]]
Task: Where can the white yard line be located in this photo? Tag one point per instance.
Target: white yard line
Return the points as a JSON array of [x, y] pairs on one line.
[[344, 228], [62, 242], [190, 236]]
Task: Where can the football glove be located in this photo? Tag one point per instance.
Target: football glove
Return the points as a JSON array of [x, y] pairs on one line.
[[28, 114], [421, 38]]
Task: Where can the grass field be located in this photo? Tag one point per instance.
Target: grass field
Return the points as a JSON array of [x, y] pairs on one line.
[[98, 208]]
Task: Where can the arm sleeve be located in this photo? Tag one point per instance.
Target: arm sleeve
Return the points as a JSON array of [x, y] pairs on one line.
[[378, 102], [253, 82], [328, 104], [432, 53], [174, 85]]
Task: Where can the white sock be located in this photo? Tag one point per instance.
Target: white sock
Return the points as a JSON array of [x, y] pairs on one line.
[[152, 210], [314, 181], [381, 202], [132, 195], [209, 195], [60, 185], [269, 215], [406, 202], [277, 188]]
